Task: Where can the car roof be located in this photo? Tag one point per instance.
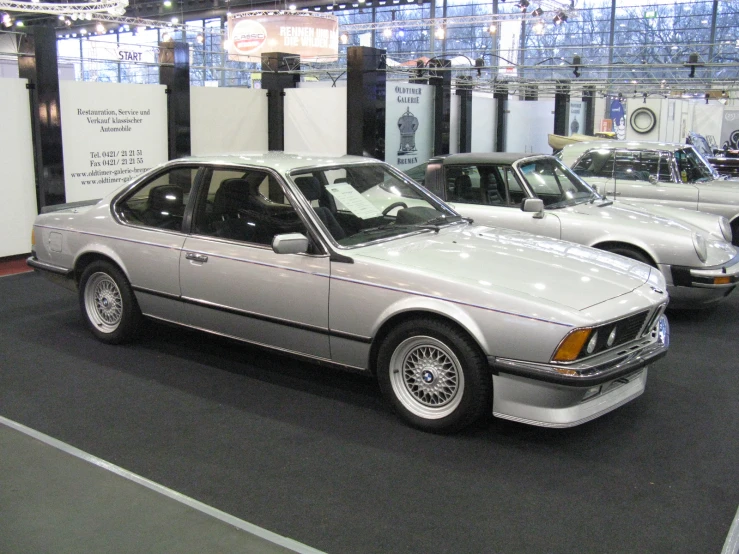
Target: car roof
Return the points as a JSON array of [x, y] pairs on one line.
[[283, 162], [482, 158], [628, 144]]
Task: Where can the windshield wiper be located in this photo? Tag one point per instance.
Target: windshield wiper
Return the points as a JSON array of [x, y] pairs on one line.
[[437, 223], [605, 203]]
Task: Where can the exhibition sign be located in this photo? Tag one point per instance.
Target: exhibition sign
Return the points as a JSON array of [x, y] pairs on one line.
[[309, 35], [409, 124], [111, 133], [576, 117], [18, 208]]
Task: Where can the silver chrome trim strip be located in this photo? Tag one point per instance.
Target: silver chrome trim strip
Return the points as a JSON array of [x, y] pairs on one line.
[[731, 546], [255, 530], [133, 241], [44, 266]]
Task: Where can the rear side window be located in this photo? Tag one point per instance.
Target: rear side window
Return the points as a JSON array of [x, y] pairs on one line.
[[160, 202], [595, 163]]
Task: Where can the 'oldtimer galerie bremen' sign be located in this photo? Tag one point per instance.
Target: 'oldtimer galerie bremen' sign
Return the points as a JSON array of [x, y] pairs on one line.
[[408, 123], [309, 35]]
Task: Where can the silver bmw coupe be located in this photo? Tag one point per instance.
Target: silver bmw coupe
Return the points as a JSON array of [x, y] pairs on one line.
[[345, 261]]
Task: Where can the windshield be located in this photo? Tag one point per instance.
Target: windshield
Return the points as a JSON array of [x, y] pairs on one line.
[[692, 167], [361, 203], [555, 183]]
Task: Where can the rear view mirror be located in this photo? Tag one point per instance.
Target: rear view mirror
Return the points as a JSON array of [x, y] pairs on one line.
[[532, 205], [290, 243]]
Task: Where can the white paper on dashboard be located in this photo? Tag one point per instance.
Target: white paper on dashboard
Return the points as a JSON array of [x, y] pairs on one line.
[[357, 204]]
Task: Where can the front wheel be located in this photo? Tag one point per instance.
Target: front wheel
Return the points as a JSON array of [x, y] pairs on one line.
[[108, 304], [434, 375], [632, 253]]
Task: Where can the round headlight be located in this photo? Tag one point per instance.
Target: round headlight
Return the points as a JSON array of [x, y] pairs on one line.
[[590, 348], [611, 338], [725, 228], [701, 248]]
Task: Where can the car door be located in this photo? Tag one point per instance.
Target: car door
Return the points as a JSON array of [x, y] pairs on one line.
[[500, 194], [235, 284], [150, 241]]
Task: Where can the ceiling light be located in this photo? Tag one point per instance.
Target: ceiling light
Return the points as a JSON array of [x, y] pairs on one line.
[[537, 12], [560, 18], [292, 7], [523, 4], [344, 38], [167, 3], [493, 29], [387, 32]]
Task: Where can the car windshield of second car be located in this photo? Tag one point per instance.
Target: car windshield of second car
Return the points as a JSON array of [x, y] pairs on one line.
[[692, 167], [362, 203], [555, 184]]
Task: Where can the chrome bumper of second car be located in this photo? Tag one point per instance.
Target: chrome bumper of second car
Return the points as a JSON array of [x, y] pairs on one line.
[[718, 277]]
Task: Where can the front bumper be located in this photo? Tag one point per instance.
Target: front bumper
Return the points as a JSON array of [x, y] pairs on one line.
[[702, 287], [538, 395]]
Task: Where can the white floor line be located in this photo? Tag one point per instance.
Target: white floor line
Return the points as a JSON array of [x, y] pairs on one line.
[[191, 502], [731, 546]]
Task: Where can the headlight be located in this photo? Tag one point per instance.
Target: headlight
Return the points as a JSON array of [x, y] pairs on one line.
[[700, 246], [725, 228]]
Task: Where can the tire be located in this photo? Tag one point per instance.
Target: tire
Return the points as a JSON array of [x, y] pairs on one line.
[[632, 253], [108, 305], [409, 370], [735, 232]]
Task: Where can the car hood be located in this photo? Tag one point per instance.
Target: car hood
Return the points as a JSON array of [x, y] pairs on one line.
[[623, 214], [560, 272]]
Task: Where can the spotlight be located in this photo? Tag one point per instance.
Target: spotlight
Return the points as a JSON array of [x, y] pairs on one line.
[[493, 29], [440, 33], [560, 18], [576, 64], [693, 62], [537, 12], [479, 64], [199, 39], [6, 19], [100, 28], [167, 3], [523, 4], [19, 23], [292, 7], [344, 38], [387, 32]]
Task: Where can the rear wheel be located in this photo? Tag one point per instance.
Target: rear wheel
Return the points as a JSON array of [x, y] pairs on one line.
[[434, 375], [108, 304]]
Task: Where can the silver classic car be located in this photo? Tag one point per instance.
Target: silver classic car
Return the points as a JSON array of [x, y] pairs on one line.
[[656, 174], [539, 194], [346, 261]]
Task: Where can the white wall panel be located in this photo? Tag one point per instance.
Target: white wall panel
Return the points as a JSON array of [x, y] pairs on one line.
[[529, 124], [315, 120], [483, 122], [227, 119], [707, 119], [111, 133], [455, 107], [18, 208]]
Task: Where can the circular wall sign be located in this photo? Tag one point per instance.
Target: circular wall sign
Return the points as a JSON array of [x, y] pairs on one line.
[[643, 120]]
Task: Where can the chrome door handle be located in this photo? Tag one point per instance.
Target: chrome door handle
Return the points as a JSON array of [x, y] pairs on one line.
[[196, 257]]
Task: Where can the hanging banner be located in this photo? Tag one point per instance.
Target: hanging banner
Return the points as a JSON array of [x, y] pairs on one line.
[[409, 124], [312, 36], [618, 115], [730, 129], [111, 133], [576, 118]]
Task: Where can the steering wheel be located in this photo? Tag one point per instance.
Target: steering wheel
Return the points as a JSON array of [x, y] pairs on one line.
[[392, 206]]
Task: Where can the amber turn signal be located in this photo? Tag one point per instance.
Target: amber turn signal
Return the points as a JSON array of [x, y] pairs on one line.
[[571, 346], [722, 280]]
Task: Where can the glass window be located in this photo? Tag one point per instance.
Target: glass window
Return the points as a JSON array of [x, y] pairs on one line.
[[692, 167], [245, 205], [514, 194], [161, 201], [555, 184], [361, 203], [596, 163], [464, 184]]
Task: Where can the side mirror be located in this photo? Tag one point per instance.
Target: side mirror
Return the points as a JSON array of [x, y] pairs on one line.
[[653, 179], [290, 243], [533, 205]]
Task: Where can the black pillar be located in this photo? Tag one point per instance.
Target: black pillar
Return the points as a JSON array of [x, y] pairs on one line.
[[588, 98], [38, 64], [365, 118], [561, 107], [442, 81], [174, 72], [275, 79], [501, 117], [464, 91]]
